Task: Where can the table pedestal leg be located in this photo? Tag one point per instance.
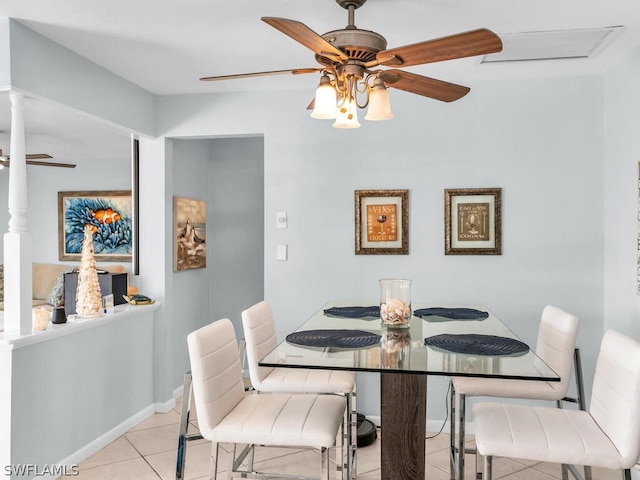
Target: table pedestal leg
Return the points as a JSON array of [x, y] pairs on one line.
[[403, 412]]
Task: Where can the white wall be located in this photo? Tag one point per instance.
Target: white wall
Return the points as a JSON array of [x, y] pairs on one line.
[[228, 175], [541, 141], [620, 174], [49, 70]]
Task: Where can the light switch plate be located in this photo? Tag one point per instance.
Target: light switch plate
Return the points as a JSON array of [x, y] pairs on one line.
[[281, 220], [281, 252]]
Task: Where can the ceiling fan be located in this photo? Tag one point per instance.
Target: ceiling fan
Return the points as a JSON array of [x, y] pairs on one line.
[[350, 58], [32, 160]]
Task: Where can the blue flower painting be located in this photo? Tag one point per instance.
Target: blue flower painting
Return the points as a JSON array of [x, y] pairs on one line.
[[110, 215]]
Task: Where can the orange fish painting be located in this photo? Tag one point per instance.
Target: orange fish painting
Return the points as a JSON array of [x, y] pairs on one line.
[[106, 216]]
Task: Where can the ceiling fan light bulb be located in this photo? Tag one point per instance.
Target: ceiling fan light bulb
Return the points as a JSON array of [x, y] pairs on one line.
[[324, 104], [347, 117], [379, 104]]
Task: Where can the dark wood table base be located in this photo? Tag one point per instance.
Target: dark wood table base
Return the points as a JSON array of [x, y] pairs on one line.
[[403, 412]]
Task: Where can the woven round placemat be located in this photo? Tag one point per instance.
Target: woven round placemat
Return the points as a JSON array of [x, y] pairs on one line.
[[354, 312], [452, 313], [334, 338], [476, 344]]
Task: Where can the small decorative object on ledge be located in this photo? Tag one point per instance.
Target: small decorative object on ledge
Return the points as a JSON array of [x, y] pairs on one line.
[[40, 318], [395, 302], [88, 295], [58, 316], [138, 299]]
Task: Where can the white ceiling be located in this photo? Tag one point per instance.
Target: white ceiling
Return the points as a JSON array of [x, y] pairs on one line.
[[164, 46]]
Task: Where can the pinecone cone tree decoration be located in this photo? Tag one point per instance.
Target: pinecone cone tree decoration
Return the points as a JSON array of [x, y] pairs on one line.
[[88, 294]]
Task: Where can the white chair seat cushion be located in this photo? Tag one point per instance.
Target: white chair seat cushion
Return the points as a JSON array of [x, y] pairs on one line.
[[303, 380], [505, 388], [544, 434], [282, 420]]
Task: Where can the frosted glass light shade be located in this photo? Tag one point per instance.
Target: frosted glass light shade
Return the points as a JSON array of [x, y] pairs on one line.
[[379, 103], [324, 104], [347, 116]]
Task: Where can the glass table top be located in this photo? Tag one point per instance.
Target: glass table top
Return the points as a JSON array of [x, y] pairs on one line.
[[403, 350]]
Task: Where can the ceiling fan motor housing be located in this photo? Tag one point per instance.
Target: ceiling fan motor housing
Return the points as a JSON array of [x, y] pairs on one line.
[[361, 45]]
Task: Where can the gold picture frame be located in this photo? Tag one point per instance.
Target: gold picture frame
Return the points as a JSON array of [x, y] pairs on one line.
[[382, 222], [189, 234], [473, 221], [109, 211]]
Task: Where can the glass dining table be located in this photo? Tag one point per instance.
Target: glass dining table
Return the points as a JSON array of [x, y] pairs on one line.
[[462, 341]]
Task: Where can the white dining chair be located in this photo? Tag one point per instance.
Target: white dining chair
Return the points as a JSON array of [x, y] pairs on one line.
[[606, 436], [229, 414], [260, 337], [555, 345]]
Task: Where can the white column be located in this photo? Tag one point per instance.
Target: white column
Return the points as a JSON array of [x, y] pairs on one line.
[[17, 242]]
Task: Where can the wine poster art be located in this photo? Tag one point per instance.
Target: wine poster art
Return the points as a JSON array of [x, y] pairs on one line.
[[382, 222]]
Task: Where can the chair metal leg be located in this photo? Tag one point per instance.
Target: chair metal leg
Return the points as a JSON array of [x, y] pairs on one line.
[[452, 432], [626, 474], [461, 433], [352, 443], [215, 450], [324, 463], [487, 470], [184, 425], [185, 412]]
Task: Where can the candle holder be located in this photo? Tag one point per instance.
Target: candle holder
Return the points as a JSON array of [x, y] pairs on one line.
[[395, 302]]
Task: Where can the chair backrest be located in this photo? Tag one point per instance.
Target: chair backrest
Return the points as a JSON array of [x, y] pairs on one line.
[[615, 397], [260, 335], [556, 343], [216, 372]]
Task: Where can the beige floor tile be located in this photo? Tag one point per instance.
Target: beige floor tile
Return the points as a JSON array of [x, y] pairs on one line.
[[434, 473], [117, 451], [198, 461], [158, 420], [373, 475], [553, 469], [441, 460], [154, 440], [136, 469], [439, 442], [368, 458], [507, 466], [305, 462], [525, 474]]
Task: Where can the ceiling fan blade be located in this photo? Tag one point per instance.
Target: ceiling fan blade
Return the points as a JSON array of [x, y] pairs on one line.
[[37, 156], [7, 163], [425, 86], [295, 71], [307, 37], [51, 164], [461, 45]]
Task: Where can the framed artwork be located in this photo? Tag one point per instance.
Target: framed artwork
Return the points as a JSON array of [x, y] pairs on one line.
[[472, 221], [189, 234], [109, 211], [382, 222]]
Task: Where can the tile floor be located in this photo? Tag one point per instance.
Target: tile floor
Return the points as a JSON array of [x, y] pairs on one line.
[[148, 452]]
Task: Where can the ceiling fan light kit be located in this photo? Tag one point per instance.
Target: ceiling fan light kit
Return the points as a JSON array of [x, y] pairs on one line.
[[350, 79]]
